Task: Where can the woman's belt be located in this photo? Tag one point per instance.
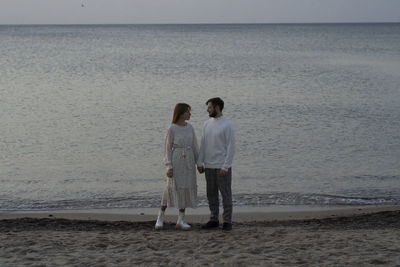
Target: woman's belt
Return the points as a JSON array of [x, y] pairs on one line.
[[189, 160]]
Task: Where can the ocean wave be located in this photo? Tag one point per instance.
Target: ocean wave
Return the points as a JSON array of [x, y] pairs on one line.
[[278, 198]]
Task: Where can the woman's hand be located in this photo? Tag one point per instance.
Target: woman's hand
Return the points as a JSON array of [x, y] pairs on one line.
[[200, 169], [170, 173]]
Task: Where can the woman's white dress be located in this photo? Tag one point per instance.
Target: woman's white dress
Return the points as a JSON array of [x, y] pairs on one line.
[[181, 152]]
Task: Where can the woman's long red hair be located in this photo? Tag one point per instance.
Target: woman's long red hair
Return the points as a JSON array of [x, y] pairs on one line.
[[179, 109]]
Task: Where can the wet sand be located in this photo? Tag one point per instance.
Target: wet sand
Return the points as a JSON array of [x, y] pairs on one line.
[[338, 237]]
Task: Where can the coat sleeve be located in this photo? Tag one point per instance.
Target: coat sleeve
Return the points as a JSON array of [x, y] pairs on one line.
[[200, 159], [169, 140], [195, 146], [230, 141]]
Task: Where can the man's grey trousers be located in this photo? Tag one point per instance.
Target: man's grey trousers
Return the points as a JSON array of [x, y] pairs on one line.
[[223, 184]]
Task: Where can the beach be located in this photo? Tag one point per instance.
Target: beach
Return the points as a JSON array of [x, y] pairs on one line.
[[358, 236]]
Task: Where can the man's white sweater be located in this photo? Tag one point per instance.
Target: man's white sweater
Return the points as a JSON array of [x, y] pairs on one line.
[[217, 145]]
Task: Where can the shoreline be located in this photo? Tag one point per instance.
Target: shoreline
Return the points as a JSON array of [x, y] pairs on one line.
[[241, 214]]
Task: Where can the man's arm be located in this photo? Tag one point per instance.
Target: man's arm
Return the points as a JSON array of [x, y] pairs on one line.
[[230, 141], [200, 159]]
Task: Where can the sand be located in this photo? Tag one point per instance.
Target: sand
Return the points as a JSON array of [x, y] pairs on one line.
[[362, 236]]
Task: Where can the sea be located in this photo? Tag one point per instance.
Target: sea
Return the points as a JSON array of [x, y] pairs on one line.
[[84, 110]]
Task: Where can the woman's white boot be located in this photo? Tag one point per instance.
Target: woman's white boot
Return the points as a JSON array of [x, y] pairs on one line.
[[160, 220], [180, 224]]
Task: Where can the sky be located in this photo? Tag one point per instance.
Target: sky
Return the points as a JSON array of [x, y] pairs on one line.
[[196, 11]]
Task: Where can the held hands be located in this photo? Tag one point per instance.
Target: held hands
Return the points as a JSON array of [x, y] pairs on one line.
[[170, 173], [221, 172]]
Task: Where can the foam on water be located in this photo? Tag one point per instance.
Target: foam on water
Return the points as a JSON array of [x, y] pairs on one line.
[[281, 199]]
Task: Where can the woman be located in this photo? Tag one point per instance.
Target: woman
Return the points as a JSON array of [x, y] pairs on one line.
[[181, 152]]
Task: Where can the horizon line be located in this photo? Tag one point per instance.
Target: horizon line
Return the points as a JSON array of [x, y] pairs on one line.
[[198, 23]]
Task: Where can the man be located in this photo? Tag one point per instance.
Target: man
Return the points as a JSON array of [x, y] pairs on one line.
[[217, 148]]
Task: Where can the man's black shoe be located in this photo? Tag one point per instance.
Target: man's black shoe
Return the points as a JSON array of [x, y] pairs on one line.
[[227, 227], [210, 225]]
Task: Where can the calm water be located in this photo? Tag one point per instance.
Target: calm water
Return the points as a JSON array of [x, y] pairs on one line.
[[84, 110]]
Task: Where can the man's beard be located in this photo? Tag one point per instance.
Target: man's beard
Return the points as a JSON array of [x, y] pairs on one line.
[[213, 114]]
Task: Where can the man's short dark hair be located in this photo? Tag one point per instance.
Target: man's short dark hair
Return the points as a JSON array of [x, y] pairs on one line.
[[216, 101]]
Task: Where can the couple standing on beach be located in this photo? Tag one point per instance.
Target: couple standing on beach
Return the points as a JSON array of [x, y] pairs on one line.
[[214, 157]]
